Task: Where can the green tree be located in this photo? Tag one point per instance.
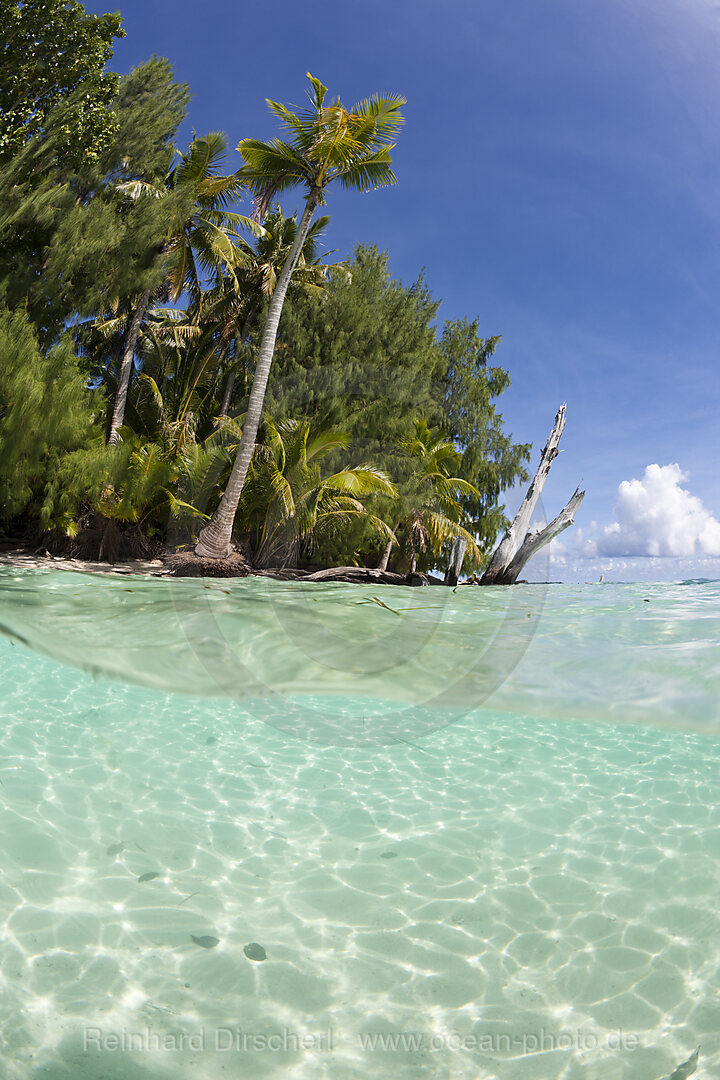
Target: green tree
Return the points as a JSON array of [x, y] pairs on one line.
[[491, 461], [428, 509], [171, 400], [54, 51], [362, 357], [107, 493], [199, 242], [75, 241], [327, 143], [205, 245], [240, 299], [46, 412], [289, 502]]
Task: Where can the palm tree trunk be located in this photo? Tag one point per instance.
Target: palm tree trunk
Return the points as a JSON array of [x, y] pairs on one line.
[[215, 540], [126, 368], [229, 387], [385, 557]]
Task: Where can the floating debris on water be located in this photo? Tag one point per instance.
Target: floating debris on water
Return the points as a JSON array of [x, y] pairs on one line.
[[414, 745], [380, 603], [206, 941], [158, 1008], [116, 849], [253, 951], [149, 876], [687, 1068]]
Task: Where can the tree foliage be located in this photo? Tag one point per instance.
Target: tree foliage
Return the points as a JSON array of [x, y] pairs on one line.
[[53, 52], [361, 357], [365, 357], [77, 241], [428, 508], [325, 144], [292, 503], [490, 459], [133, 297], [46, 411]]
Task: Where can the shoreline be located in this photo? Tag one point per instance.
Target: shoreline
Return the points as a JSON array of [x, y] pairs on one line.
[[188, 565]]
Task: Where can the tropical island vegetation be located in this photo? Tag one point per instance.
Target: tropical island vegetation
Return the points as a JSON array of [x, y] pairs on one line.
[[181, 368]]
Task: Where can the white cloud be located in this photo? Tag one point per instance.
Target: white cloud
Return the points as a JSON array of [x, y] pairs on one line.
[[656, 516], [557, 552]]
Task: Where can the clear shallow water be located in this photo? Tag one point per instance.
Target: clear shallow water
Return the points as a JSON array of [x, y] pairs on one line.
[[511, 890]]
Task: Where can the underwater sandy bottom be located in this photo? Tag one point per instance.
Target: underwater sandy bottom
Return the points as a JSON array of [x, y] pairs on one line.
[[524, 899]]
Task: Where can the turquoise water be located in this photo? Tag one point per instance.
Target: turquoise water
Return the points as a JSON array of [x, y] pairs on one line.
[[485, 823]]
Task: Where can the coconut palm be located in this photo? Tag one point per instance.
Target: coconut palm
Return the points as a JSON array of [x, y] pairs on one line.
[[208, 241], [288, 504], [166, 400], [202, 469], [326, 143], [428, 509], [233, 305], [273, 243], [114, 487], [202, 245]]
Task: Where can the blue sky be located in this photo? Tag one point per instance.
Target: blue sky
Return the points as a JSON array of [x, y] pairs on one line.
[[559, 178]]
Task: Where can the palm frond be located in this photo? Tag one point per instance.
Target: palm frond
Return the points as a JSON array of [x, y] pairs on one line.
[[133, 189], [368, 173], [319, 93], [362, 480], [383, 110]]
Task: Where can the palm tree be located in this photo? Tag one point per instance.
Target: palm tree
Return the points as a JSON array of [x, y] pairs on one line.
[[202, 244], [428, 509], [237, 301], [288, 503], [326, 143], [169, 394], [207, 242]]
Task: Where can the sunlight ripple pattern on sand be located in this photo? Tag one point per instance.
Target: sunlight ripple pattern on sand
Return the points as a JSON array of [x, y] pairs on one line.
[[514, 876]]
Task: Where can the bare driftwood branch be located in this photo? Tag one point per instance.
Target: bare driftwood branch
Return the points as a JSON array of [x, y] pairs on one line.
[[518, 544], [359, 575], [535, 540]]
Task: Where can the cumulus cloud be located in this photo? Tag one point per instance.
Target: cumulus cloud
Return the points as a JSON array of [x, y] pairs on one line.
[[656, 516]]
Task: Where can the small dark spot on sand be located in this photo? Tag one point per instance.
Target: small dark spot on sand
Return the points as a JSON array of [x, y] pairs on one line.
[[150, 876], [211, 740], [206, 941], [253, 951]]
